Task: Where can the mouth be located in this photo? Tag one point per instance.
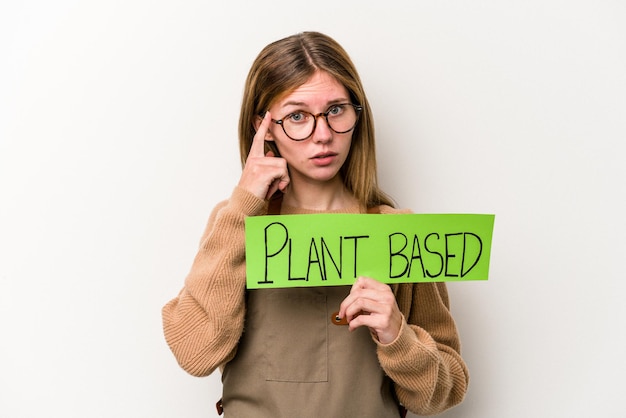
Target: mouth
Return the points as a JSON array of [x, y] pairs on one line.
[[324, 158], [323, 155]]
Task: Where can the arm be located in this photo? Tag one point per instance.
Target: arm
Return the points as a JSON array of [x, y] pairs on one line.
[[418, 343], [202, 325], [424, 361]]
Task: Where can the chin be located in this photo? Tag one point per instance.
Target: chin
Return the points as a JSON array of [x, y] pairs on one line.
[[317, 174], [326, 179]]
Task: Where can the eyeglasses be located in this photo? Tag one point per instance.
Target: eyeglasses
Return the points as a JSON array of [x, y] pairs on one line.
[[300, 125]]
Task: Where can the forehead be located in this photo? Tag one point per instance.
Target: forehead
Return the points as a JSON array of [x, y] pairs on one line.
[[320, 89]]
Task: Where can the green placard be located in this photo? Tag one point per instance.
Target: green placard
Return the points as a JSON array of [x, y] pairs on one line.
[[335, 249]]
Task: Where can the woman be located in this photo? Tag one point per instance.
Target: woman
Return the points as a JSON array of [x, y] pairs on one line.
[[307, 146]]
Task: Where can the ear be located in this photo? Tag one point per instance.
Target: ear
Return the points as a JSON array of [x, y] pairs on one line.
[[257, 123]]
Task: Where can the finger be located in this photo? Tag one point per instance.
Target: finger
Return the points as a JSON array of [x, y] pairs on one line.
[[382, 318], [271, 190], [362, 287], [257, 149], [361, 319], [375, 322], [367, 283], [279, 183]]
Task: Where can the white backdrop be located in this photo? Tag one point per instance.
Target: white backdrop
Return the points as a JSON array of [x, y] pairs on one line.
[[118, 136]]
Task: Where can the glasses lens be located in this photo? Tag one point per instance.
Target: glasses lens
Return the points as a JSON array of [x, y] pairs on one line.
[[341, 118], [300, 125]]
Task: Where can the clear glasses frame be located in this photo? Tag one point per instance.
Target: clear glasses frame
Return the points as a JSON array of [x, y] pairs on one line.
[[357, 109]]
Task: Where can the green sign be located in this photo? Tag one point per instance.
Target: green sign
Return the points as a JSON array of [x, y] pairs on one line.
[[335, 249]]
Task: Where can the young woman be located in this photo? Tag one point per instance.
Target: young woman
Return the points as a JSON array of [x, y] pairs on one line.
[[307, 146]]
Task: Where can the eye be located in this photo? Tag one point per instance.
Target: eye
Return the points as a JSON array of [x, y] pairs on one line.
[[298, 117], [335, 110]]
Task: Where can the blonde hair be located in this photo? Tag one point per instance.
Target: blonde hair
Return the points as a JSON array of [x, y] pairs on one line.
[[286, 64]]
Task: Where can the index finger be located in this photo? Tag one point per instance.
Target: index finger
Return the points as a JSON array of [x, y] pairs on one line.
[[257, 149]]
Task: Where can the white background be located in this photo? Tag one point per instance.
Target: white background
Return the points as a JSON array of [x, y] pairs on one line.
[[118, 135]]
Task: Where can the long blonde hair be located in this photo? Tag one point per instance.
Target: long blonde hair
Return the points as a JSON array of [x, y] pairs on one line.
[[286, 64]]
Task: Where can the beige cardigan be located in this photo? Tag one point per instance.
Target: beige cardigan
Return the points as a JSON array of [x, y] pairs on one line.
[[204, 323]]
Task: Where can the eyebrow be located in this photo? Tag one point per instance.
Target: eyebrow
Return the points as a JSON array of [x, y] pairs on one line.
[[330, 103]]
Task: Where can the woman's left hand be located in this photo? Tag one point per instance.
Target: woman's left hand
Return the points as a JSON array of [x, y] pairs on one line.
[[372, 304]]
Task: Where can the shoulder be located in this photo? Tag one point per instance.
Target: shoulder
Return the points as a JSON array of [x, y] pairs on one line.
[[234, 210], [389, 210], [241, 202]]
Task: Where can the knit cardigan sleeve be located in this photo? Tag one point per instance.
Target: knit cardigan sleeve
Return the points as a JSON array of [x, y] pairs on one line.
[[425, 360], [203, 324]]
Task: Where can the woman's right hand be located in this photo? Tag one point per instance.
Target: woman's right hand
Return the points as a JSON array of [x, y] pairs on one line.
[[263, 174]]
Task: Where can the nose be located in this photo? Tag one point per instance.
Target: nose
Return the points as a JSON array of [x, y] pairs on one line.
[[322, 132]]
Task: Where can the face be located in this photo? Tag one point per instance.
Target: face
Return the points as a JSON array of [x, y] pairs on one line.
[[319, 157]]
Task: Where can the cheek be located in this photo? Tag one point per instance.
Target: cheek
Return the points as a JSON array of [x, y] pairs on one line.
[[348, 145], [285, 149]]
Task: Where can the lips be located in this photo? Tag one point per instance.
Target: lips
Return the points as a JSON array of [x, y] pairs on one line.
[[324, 158], [325, 155]]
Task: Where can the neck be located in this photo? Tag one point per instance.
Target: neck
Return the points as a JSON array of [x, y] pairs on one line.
[[320, 196]]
